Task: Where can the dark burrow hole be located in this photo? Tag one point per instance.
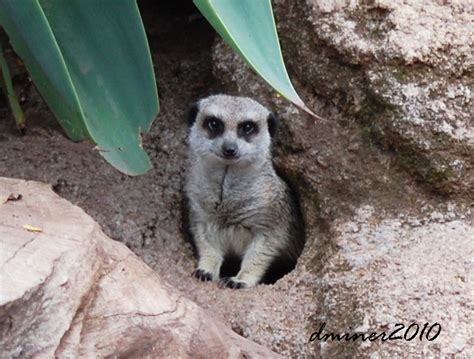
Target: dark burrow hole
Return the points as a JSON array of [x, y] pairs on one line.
[[167, 7]]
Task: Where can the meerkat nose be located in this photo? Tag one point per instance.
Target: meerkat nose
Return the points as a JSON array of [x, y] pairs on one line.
[[229, 149]]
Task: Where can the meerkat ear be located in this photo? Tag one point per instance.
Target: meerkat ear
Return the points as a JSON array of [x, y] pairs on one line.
[[272, 123], [192, 114]]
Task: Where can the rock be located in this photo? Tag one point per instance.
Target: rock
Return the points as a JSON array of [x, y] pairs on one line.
[[403, 67], [391, 273], [67, 290]]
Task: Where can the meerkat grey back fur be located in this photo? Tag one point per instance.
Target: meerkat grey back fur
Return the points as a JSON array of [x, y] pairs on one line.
[[239, 210]]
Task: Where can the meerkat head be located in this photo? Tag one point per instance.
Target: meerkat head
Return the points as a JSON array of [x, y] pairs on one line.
[[231, 130]]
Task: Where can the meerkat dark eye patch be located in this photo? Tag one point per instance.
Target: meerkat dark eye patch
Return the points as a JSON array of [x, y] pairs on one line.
[[272, 122], [192, 114], [214, 126], [247, 129]]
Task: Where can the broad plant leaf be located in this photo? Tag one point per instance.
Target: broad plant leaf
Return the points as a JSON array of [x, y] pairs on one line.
[[7, 85], [91, 62], [249, 28]]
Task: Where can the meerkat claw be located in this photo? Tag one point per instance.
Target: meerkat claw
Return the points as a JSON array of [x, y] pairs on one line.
[[202, 275], [228, 282]]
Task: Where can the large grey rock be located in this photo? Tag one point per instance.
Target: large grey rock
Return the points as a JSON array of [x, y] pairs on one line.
[[400, 270], [405, 68], [67, 290]]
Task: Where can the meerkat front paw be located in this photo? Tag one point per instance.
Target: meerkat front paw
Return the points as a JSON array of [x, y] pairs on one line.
[[232, 282], [202, 275]]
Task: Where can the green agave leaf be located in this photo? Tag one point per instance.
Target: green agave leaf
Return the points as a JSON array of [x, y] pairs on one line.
[[249, 28], [91, 62], [6, 84]]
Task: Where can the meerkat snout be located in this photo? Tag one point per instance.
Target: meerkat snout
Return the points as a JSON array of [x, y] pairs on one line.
[[230, 149], [240, 210]]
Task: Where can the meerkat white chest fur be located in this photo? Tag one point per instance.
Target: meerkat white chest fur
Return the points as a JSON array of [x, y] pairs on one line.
[[240, 210]]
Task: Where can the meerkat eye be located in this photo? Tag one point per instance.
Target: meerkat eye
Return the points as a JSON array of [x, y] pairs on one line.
[[247, 128], [214, 125]]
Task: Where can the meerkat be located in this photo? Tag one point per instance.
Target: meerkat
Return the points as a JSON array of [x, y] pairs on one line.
[[244, 220]]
